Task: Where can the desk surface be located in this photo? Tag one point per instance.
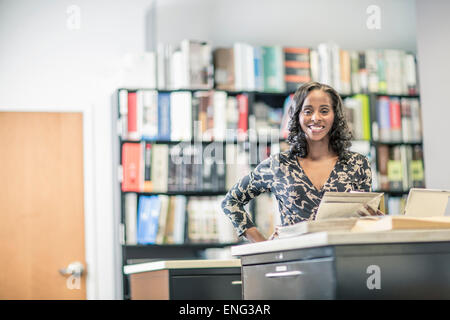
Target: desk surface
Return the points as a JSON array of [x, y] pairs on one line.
[[181, 264], [319, 239]]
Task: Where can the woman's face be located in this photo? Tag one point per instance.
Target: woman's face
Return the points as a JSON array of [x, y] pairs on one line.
[[317, 115]]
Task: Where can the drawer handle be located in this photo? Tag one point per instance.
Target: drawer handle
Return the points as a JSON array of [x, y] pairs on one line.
[[238, 282], [283, 274]]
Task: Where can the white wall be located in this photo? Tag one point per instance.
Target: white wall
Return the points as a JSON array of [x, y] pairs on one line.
[[433, 47], [287, 22], [45, 64]]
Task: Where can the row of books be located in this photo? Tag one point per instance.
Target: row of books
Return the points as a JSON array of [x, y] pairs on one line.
[[389, 119], [397, 168], [216, 116], [397, 120], [357, 113], [245, 67], [162, 168], [215, 167], [182, 115], [385, 71], [162, 219]]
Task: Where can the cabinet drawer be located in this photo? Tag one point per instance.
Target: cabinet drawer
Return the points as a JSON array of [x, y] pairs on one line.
[[311, 279], [206, 287]]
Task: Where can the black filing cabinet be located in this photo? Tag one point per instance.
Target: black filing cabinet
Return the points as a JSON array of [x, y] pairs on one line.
[[363, 271]]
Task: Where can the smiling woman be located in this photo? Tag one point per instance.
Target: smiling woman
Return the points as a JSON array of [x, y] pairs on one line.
[[318, 161]]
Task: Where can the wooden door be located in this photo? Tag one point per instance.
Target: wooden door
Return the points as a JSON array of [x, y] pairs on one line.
[[41, 204]]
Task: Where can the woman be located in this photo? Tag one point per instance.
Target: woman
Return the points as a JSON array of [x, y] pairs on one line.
[[318, 161]]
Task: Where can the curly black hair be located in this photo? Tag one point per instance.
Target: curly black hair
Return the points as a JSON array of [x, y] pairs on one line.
[[340, 135]]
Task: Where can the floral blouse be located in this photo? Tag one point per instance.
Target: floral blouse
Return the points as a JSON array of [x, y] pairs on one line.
[[298, 199]]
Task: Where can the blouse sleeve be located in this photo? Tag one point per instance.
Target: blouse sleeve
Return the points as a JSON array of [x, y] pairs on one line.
[[248, 187], [365, 181]]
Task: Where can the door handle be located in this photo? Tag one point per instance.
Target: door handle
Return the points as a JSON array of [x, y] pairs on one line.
[[283, 274], [73, 269]]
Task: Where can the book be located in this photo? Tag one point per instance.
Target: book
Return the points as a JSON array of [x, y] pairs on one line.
[[354, 68], [242, 100], [427, 203], [394, 169], [179, 219], [147, 160], [346, 204], [387, 223], [372, 70], [416, 119], [314, 64], [384, 119], [219, 115], [130, 218], [353, 110], [198, 63], [395, 120], [122, 123], [232, 118], [148, 215], [169, 232], [259, 68], [416, 168], [224, 69], [383, 158], [162, 219], [149, 115], [345, 64], [325, 64], [273, 64], [339, 224], [160, 159], [410, 74], [134, 116], [296, 67], [164, 116], [406, 120], [381, 70], [363, 73], [365, 116], [181, 117], [132, 167]]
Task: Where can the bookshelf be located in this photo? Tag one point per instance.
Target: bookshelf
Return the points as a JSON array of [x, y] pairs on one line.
[[231, 126]]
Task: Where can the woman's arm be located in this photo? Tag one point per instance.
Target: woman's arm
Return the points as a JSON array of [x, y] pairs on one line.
[[253, 235], [249, 187]]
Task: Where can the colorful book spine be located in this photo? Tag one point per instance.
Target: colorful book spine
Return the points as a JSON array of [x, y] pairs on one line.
[[243, 116], [148, 216], [164, 112], [296, 67], [132, 125], [384, 122], [131, 166], [395, 120]]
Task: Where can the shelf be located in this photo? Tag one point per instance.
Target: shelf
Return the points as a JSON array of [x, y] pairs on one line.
[[194, 142], [182, 193], [398, 95], [265, 93], [280, 140], [395, 193], [396, 143], [183, 245]]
